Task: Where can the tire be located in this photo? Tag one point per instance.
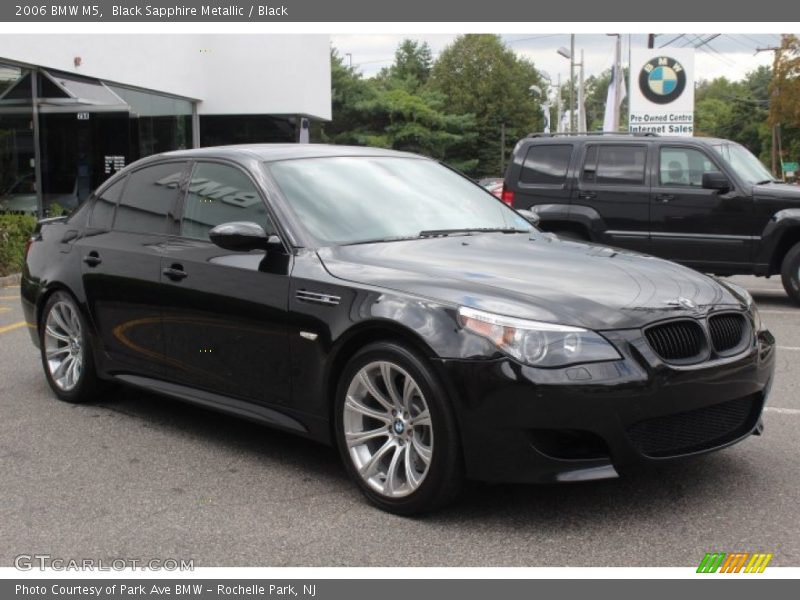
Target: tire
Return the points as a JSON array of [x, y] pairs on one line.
[[790, 273], [391, 450], [66, 351], [568, 234]]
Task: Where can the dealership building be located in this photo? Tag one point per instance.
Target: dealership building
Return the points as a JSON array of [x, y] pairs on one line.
[[74, 109]]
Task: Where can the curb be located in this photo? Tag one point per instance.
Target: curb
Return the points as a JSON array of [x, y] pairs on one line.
[[12, 279]]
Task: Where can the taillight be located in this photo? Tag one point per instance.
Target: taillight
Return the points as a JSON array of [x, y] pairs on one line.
[[507, 196]]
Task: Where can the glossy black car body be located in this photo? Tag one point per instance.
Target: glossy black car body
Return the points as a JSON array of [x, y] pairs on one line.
[[266, 334], [650, 200]]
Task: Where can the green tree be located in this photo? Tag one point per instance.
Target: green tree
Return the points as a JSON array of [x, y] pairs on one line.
[[412, 66], [784, 91], [478, 75], [371, 112]]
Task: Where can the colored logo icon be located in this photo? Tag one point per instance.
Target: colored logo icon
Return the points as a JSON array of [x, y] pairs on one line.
[[662, 80], [735, 562]]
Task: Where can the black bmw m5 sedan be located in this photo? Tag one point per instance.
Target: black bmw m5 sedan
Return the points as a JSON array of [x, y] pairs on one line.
[[385, 304]]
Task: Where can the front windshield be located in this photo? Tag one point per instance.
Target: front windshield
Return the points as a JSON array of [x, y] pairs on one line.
[[741, 160], [345, 200]]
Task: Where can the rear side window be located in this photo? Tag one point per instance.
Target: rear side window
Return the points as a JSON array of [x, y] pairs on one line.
[[149, 196], [617, 164], [546, 164], [102, 215], [221, 194]]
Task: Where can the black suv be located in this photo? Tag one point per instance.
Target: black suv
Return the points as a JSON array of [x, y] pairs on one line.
[[706, 203]]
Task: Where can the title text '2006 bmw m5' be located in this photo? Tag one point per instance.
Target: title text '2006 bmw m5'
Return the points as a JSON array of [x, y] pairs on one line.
[[381, 302]]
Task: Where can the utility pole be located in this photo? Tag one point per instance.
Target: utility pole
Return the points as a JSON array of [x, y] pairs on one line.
[[560, 114], [776, 127], [502, 148], [581, 99], [651, 40], [572, 83], [349, 60]]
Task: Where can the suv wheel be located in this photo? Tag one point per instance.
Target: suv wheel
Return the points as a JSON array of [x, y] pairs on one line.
[[66, 351], [790, 273], [396, 432]]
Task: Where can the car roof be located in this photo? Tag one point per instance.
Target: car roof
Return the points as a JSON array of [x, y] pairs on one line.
[[273, 152], [545, 138]]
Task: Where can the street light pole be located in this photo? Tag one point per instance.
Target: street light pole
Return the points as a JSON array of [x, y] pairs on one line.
[[572, 83]]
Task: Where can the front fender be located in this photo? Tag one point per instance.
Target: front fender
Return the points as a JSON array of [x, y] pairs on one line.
[[782, 229]]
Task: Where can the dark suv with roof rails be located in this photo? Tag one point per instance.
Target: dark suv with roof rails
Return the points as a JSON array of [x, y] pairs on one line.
[[704, 202]]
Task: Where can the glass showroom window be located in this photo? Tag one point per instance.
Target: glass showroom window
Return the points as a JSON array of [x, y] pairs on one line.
[[17, 159]]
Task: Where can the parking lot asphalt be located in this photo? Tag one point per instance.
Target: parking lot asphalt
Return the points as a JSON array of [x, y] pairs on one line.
[[141, 476]]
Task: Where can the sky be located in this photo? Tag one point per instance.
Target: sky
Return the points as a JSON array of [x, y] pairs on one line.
[[731, 55]]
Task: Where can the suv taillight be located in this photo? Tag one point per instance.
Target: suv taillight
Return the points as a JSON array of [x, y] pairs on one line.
[[507, 196]]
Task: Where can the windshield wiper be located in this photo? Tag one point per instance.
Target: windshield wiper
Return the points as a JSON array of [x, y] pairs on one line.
[[765, 181], [395, 238], [445, 232]]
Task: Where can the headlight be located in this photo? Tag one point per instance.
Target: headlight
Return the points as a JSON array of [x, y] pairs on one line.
[[535, 343]]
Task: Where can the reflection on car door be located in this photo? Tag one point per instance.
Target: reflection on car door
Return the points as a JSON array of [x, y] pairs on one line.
[[691, 224], [612, 182], [121, 257], [225, 312]]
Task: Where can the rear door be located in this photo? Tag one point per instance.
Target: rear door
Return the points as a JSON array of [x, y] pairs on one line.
[[695, 226], [542, 175], [121, 259], [225, 316], [613, 185]]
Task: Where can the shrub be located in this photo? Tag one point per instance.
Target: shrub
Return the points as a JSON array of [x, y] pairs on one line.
[[14, 233]]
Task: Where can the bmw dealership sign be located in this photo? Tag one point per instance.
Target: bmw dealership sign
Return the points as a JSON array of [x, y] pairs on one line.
[[662, 91]]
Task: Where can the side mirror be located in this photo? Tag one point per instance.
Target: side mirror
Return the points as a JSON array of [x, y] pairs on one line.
[[714, 180], [242, 236], [530, 216]]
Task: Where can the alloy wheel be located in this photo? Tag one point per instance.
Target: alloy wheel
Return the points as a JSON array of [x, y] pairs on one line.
[[63, 345], [388, 429]]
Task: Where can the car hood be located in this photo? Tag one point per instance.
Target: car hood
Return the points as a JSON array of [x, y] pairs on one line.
[[535, 277], [784, 191]]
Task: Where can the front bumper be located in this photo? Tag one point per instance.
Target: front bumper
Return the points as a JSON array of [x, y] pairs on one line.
[[523, 424]]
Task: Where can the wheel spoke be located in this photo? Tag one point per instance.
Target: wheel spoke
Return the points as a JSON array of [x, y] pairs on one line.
[[75, 322], [412, 476], [60, 321], [56, 352], [49, 330], [374, 392], [423, 419], [369, 467], [409, 392], [388, 381], [392, 481], [362, 437], [355, 405], [62, 369], [424, 452]]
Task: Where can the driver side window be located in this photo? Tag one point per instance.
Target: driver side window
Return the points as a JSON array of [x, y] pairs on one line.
[[220, 194], [683, 167]]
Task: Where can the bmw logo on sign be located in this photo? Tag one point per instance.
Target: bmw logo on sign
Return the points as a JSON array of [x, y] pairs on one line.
[[662, 80]]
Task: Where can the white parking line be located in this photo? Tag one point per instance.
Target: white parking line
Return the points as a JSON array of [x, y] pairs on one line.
[[794, 348], [766, 311], [782, 411]]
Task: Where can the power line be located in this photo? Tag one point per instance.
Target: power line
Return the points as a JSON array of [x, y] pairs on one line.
[[675, 39]]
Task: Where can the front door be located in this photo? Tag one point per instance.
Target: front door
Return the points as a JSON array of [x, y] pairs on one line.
[[225, 312], [699, 227]]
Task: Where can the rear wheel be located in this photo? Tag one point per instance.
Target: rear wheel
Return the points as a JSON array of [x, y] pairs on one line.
[[396, 432], [790, 273], [66, 351]]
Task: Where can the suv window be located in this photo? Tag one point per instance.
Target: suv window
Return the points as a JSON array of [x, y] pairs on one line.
[[102, 215], [615, 164], [221, 194], [683, 167], [149, 196], [546, 164]]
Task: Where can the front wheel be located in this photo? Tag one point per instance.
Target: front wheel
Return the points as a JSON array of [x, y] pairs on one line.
[[790, 273], [396, 432], [66, 351]]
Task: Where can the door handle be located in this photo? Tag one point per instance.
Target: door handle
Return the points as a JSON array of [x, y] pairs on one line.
[[587, 195], [664, 198], [92, 259], [175, 272]]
